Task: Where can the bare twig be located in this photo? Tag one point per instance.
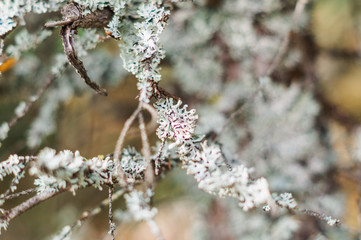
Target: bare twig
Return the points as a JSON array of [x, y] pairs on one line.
[[28, 204], [32, 100], [87, 214], [150, 127], [149, 176], [330, 221], [157, 158], [238, 111], [300, 5], [18, 194], [1, 47], [155, 229], [111, 223], [120, 142]]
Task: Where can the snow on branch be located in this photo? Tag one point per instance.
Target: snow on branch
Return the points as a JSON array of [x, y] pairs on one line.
[[205, 162], [140, 48]]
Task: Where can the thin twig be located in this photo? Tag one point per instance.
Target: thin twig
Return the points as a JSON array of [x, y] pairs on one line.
[[13, 183], [24, 161], [28, 204], [149, 176], [18, 194], [238, 112], [87, 214], [1, 47], [155, 229], [151, 126], [330, 221], [157, 158], [111, 224], [120, 142], [154, 117], [32, 100], [300, 6]]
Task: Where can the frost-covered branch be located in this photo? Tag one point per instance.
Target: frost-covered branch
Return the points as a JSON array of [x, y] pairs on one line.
[[232, 60]]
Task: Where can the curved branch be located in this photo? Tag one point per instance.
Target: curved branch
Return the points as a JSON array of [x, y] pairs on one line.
[[67, 35]]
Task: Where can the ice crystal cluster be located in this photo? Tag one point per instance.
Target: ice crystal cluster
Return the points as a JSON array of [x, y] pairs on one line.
[[206, 162]]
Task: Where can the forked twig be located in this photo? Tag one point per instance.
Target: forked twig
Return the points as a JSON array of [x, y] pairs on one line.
[[120, 142], [88, 214]]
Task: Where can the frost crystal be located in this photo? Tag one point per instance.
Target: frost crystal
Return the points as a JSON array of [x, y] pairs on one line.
[[133, 164], [64, 234], [70, 170], [206, 162], [285, 200], [139, 207], [13, 165], [4, 129], [12, 9], [174, 121], [140, 48], [20, 109]]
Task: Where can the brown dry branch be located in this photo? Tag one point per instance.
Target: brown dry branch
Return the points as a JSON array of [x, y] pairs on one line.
[[73, 18], [67, 35]]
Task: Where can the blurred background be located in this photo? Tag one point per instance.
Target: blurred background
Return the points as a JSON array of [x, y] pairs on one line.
[[303, 134]]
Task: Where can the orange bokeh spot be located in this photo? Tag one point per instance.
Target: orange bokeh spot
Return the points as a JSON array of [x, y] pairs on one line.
[[7, 64]]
